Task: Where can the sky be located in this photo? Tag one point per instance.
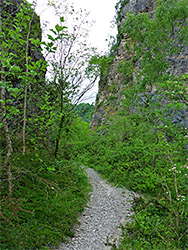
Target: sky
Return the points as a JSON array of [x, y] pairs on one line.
[[102, 12]]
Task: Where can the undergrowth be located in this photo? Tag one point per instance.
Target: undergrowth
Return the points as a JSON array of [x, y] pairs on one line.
[[143, 150], [139, 155], [143, 144], [154, 226], [48, 197]]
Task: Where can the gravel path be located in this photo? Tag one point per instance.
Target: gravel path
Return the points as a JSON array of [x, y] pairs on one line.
[[107, 209]]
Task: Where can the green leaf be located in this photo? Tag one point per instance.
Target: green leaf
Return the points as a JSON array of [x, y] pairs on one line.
[[50, 45], [2, 84], [59, 28], [44, 43], [1, 101], [51, 38], [62, 19], [53, 31], [35, 42], [14, 110]]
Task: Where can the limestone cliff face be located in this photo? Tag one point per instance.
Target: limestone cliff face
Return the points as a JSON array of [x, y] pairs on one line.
[[137, 6], [110, 90]]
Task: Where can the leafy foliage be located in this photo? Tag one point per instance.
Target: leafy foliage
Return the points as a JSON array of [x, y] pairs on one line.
[[45, 191], [48, 197], [137, 151], [141, 147], [85, 111], [144, 146], [100, 65]]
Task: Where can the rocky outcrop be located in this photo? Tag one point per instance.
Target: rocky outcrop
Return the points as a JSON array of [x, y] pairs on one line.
[[110, 90], [137, 6]]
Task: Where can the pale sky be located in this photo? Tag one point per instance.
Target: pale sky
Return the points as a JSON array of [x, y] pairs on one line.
[[101, 11]]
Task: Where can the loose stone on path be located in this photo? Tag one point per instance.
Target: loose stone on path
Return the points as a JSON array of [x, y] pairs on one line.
[[107, 209]]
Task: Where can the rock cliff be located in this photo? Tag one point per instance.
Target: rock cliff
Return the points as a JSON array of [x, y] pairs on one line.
[[111, 89]]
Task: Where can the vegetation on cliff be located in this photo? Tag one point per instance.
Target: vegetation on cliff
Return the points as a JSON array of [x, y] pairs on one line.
[[143, 145], [45, 137], [42, 190]]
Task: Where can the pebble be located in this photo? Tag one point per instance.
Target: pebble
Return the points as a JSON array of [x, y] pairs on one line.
[[106, 210]]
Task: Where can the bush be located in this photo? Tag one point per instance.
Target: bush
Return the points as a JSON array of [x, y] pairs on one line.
[[143, 150]]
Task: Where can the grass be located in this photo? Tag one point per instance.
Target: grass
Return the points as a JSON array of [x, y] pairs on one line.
[[48, 197]]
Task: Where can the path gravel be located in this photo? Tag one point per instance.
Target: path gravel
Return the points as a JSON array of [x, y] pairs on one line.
[[107, 209]]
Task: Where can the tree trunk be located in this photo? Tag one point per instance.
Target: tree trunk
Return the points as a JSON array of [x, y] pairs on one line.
[[59, 136], [24, 120], [26, 86]]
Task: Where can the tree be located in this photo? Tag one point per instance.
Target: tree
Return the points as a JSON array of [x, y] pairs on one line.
[[155, 42], [70, 79], [32, 110], [85, 111], [16, 76]]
